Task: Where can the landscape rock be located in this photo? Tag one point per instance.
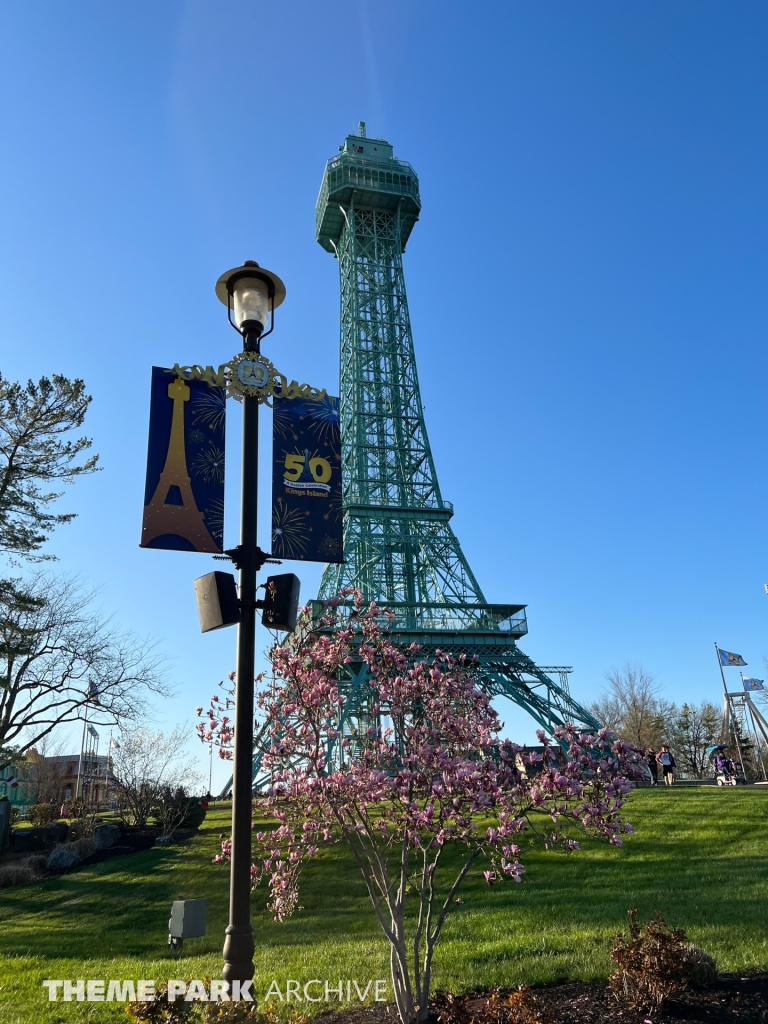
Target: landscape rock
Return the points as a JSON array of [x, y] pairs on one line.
[[163, 841], [60, 860], [105, 836]]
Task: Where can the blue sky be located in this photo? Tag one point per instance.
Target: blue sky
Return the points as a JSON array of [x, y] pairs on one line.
[[586, 282]]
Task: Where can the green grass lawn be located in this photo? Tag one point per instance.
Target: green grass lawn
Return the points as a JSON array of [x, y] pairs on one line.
[[698, 856]]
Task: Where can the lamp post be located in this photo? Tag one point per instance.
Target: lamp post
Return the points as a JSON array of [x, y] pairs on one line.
[[251, 294]]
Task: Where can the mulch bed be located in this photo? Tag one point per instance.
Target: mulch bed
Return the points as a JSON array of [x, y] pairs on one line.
[[736, 997]]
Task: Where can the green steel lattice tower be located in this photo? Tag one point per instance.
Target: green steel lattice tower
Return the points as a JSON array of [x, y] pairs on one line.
[[399, 547]]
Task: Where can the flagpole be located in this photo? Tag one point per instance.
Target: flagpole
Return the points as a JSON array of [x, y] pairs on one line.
[[729, 712], [722, 674], [78, 784], [726, 710], [110, 776]]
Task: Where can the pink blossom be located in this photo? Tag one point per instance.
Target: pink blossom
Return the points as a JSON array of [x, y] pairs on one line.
[[438, 775]]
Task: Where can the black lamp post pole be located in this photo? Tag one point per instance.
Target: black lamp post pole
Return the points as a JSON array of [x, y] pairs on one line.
[[238, 945]]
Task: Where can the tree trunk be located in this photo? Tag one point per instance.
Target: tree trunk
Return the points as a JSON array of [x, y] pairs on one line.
[[401, 986]]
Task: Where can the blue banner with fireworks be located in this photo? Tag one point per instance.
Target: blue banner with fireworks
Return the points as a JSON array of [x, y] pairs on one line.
[[184, 495], [306, 480]]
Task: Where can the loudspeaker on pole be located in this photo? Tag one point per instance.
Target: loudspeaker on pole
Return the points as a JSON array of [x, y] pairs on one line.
[[217, 603], [281, 602]]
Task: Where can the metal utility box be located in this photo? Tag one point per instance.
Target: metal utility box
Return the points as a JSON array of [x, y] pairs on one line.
[[217, 604], [188, 919]]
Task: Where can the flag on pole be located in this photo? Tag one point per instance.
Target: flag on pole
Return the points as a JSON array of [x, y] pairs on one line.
[[11, 781], [753, 684], [113, 744], [730, 660]]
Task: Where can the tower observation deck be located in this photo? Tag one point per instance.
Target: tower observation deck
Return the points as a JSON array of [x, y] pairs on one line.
[[399, 547]]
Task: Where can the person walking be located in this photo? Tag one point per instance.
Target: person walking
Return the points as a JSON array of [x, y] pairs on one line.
[[653, 766], [667, 762]]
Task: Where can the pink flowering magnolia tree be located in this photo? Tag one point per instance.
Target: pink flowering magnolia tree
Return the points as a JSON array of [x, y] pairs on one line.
[[430, 774], [216, 726]]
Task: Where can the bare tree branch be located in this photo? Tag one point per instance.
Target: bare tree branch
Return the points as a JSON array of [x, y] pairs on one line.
[[632, 708], [60, 659], [145, 764]]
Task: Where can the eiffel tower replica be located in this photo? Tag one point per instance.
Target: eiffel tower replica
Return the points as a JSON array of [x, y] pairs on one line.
[[399, 547]]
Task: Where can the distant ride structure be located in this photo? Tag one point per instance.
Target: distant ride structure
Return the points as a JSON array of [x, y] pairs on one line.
[[399, 547], [744, 730]]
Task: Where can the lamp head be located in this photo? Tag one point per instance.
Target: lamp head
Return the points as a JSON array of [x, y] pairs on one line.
[[251, 293]]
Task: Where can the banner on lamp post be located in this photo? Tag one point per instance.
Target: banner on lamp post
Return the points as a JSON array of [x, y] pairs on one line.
[[307, 519], [184, 494]]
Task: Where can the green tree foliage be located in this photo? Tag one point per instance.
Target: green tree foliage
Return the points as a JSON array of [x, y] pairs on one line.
[[174, 809], [35, 454], [692, 729], [59, 658], [43, 814]]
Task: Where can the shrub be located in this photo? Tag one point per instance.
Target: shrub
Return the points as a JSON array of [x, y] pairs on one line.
[[160, 1010], [451, 1009], [61, 828], [84, 826], [195, 815], [21, 872], [700, 966], [519, 1007], [655, 962], [43, 814], [80, 847], [77, 808], [232, 1013], [16, 873], [36, 862], [173, 809], [523, 1007], [247, 1013]]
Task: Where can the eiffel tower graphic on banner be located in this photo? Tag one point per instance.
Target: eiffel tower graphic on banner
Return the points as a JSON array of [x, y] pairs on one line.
[[172, 509]]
